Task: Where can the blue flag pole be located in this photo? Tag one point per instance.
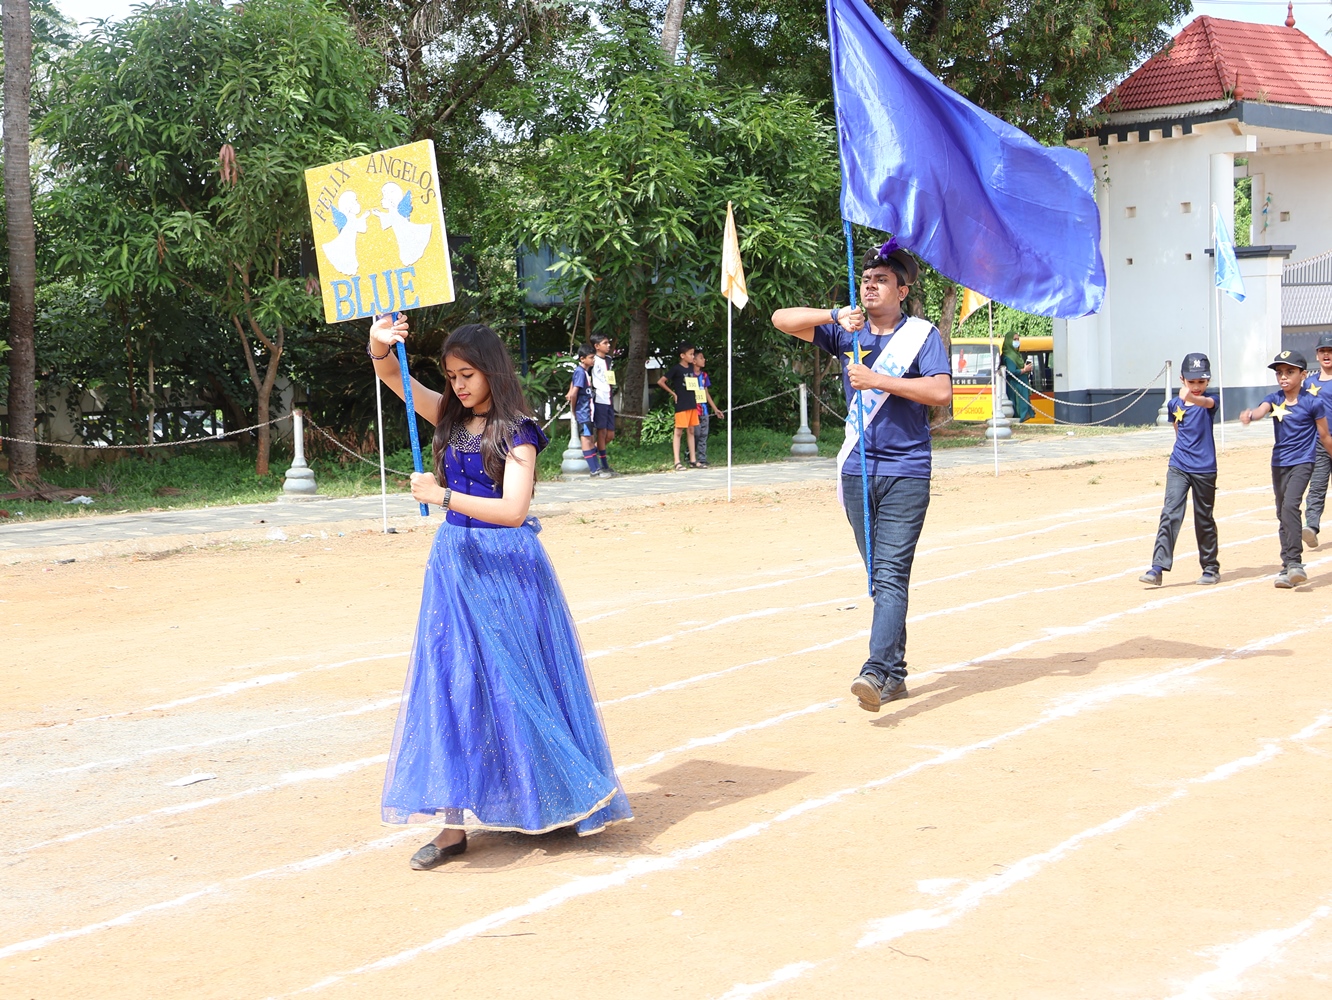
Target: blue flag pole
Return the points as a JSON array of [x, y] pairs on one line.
[[411, 415], [860, 410]]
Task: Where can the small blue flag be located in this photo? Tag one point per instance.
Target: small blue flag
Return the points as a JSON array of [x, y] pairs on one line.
[[1228, 277], [982, 202]]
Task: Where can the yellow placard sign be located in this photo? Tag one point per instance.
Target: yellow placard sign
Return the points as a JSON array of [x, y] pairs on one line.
[[379, 233]]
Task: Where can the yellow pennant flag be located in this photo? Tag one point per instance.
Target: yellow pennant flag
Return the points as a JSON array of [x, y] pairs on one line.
[[733, 272], [971, 301]]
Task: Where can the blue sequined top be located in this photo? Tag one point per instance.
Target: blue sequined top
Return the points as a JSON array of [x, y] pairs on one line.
[[465, 473]]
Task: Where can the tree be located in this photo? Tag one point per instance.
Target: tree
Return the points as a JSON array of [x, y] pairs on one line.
[[21, 238], [182, 133], [628, 166], [1039, 66]]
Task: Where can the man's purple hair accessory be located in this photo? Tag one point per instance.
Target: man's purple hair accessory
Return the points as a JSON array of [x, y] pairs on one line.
[[888, 248]]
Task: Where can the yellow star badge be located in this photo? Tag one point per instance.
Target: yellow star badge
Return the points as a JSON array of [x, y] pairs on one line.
[[1177, 414], [1314, 389], [1281, 409]]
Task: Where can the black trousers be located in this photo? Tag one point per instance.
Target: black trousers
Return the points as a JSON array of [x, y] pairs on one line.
[[1178, 486], [1313, 504], [1289, 483]]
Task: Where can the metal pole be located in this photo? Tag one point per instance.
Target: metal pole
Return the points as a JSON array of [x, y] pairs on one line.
[[379, 423], [730, 410], [994, 391], [860, 410], [411, 415]]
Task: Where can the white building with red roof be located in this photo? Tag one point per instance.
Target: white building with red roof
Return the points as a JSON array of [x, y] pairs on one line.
[[1225, 100]]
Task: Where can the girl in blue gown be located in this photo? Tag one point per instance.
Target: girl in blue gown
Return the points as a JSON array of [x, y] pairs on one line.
[[498, 728]]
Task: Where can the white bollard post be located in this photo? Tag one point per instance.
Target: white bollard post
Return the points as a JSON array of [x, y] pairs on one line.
[[1163, 415], [299, 483], [804, 445], [572, 465]]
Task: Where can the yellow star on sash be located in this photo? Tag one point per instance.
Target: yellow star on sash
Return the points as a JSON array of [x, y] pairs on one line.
[[1314, 389], [1280, 410], [1177, 414]]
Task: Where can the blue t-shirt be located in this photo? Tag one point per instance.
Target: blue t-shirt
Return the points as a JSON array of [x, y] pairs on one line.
[[1295, 428], [1314, 386], [583, 401], [897, 440], [1195, 450]]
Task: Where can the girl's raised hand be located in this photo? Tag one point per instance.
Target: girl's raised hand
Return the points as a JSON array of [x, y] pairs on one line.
[[425, 489], [386, 331]]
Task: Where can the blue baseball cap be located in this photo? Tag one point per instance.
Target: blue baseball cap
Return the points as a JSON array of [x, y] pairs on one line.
[[1195, 366]]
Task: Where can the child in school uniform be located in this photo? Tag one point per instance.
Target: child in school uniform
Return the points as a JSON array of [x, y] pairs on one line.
[[1322, 470], [1299, 426], [1192, 469], [580, 396]]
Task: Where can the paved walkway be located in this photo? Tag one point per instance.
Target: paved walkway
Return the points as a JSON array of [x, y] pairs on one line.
[[269, 519]]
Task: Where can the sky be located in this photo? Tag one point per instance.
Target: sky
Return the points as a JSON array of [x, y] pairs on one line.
[[1312, 18]]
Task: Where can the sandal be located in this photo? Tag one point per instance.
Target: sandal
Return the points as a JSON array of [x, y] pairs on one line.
[[679, 467]]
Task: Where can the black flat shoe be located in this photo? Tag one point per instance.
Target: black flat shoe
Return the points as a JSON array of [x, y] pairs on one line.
[[430, 856]]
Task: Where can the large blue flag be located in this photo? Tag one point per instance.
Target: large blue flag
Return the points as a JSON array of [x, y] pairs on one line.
[[1228, 277], [981, 201]]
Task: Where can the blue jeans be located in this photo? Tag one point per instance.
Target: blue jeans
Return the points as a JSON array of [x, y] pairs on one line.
[[897, 514]]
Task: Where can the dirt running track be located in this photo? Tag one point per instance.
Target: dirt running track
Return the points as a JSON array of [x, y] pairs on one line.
[[1095, 790]]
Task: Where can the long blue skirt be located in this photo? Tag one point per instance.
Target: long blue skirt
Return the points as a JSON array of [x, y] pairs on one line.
[[498, 727]]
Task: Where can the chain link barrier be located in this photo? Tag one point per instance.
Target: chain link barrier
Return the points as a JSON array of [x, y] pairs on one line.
[[155, 444]]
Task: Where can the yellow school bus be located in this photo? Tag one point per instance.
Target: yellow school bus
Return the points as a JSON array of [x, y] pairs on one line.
[[971, 376]]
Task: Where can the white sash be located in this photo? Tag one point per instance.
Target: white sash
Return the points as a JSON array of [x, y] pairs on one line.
[[903, 346]]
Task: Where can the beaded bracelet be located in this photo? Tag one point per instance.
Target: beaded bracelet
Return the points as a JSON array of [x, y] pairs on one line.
[[377, 357]]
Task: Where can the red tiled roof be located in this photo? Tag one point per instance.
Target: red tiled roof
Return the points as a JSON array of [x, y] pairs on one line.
[[1213, 59]]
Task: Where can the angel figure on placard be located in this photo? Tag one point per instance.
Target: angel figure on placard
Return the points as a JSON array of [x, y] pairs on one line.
[[351, 222], [397, 215]]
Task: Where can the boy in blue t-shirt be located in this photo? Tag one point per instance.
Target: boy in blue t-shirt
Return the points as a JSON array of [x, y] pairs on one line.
[[1299, 427], [580, 396], [1322, 470], [1192, 469]]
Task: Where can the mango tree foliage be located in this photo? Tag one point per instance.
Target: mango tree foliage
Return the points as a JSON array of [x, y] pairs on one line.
[[181, 135]]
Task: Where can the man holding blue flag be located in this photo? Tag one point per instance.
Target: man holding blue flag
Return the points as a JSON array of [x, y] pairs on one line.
[[894, 367]]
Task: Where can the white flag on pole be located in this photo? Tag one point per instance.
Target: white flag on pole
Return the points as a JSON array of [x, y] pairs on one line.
[[733, 272]]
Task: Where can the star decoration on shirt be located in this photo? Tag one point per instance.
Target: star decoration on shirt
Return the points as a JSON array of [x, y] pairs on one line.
[[1177, 413], [1314, 389], [1279, 410]]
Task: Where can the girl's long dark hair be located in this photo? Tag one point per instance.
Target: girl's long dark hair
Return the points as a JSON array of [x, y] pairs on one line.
[[477, 346]]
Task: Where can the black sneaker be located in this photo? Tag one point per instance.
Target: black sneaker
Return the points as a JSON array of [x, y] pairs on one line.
[[1208, 579], [1282, 581], [1296, 575], [1310, 537], [1152, 576]]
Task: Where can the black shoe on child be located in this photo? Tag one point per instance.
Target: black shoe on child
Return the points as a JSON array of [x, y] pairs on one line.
[[1152, 576], [1208, 579], [1296, 575], [1310, 538]]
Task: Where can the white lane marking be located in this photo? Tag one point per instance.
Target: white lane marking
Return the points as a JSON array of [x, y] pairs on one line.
[[711, 675], [641, 867], [248, 734], [913, 619], [330, 857], [707, 741], [296, 867], [1236, 959], [787, 973], [291, 778], [844, 568], [222, 691], [886, 929]]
